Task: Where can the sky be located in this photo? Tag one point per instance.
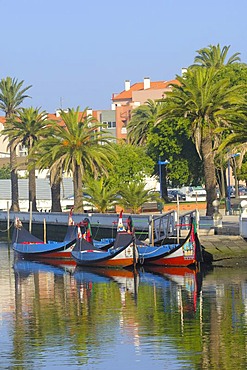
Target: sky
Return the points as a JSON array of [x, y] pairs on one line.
[[78, 53]]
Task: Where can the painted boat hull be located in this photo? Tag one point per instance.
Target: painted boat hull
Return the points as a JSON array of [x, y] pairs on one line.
[[121, 258], [44, 251], [185, 254], [122, 255], [28, 246], [163, 257]]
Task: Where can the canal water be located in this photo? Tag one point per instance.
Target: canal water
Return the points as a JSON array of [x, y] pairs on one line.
[[59, 316]]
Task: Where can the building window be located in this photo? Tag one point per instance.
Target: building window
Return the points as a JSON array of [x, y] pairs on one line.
[[109, 124]]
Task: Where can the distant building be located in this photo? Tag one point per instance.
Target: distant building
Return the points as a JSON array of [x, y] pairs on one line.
[[133, 96], [108, 118], [115, 119]]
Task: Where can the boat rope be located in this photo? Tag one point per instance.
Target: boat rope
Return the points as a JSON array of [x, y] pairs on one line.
[[8, 228], [96, 233]]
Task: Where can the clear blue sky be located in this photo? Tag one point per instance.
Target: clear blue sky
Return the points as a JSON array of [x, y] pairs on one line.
[[80, 52]]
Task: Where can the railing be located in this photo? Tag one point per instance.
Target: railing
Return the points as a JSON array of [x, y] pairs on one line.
[[185, 219], [169, 226], [162, 227]]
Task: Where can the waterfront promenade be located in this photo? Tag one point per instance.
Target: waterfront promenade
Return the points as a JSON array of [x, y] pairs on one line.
[[225, 244]]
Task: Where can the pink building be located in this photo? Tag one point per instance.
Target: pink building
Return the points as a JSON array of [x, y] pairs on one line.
[[134, 95]]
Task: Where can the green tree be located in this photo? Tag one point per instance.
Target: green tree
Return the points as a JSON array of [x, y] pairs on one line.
[[205, 102], [12, 95], [134, 195], [131, 163], [142, 120], [242, 172], [5, 172], [237, 75], [102, 195], [27, 129], [171, 140], [80, 147], [165, 139], [214, 56], [44, 161]]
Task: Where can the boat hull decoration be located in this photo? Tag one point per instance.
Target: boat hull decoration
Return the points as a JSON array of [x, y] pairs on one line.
[[122, 254], [28, 246], [187, 253]]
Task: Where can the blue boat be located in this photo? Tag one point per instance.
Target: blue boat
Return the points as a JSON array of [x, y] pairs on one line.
[[29, 246]]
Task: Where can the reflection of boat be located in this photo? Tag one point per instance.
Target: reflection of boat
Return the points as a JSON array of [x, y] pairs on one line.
[[123, 252], [29, 246], [186, 253], [176, 274], [25, 268], [186, 281], [127, 280]]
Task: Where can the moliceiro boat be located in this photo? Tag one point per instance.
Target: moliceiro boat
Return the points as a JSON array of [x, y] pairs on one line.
[[121, 253], [28, 246], [186, 253], [163, 251]]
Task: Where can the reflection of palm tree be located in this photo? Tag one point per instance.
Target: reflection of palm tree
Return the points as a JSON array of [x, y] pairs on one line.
[[11, 97]]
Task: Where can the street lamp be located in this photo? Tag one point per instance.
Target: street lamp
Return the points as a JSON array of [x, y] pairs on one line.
[[229, 180], [160, 163]]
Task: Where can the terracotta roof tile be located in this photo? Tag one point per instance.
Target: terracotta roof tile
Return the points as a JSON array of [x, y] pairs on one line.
[[155, 85], [53, 117]]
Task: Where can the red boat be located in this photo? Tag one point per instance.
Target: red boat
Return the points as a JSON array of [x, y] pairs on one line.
[[186, 253]]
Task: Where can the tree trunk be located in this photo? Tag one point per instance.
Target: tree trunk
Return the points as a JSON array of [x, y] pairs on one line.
[[78, 193], [221, 179], [14, 181], [209, 173], [32, 189], [55, 180]]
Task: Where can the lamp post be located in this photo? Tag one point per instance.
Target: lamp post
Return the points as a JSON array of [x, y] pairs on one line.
[[160, 163], [229, 180]]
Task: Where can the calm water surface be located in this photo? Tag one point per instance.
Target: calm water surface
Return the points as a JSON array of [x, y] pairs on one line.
[[60, 317]]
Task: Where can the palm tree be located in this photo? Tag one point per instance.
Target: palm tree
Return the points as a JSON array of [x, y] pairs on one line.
[[28, 128], [143, 118], [134, 195], [234, 141], [79, 147], [206, 102], [214, 56], [44, 161], [102, 194], [56, 178], [11, 97]]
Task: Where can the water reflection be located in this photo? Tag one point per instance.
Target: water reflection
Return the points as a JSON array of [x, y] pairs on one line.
[[126, 280], [59, 316]]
